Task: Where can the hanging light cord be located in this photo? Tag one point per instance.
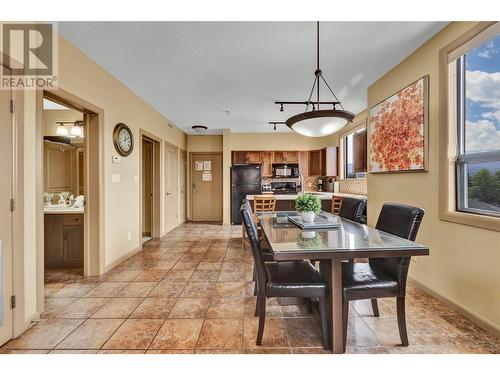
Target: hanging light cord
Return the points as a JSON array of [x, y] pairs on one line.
[[318, 74]]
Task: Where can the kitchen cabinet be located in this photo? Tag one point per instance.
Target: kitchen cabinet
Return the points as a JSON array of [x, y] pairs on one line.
[[278, 157], [316, 160], [323, 162], [239, 157], [291, 157], [282, 157], [253, 157], [63, 242], [359, 151], [266, 158], [303, 161]]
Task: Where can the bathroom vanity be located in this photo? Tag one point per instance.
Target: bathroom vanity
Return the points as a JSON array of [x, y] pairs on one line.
[[63, 237]]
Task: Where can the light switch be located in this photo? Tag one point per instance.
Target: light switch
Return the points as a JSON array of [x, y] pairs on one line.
[[115, 177]]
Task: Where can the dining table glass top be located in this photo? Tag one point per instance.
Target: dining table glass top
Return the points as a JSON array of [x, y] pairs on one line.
[[284, 236]]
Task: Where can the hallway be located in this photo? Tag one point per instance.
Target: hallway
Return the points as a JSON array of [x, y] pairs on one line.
[[192, 293]]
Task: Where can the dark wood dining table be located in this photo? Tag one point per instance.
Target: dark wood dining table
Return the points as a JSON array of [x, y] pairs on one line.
[[347, 241]]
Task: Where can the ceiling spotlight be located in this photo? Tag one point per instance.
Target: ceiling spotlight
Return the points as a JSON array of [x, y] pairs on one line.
[[199, 129], [281, 108], [274, 127]]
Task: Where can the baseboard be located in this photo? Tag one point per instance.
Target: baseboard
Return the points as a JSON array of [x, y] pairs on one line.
[[119, 260], [480, 321]]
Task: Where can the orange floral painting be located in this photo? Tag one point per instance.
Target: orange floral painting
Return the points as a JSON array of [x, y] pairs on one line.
[[397, 130]]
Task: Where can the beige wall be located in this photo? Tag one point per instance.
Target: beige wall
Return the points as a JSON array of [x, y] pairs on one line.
[[276, 141], [82, 77], [51, 116], [463, 263], [204, 143]]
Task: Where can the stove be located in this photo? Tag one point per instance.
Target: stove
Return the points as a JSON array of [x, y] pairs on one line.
[[284, 187]]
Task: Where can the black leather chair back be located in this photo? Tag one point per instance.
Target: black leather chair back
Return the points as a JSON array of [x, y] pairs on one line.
[[402, 221], [253, 237], [352, 208]]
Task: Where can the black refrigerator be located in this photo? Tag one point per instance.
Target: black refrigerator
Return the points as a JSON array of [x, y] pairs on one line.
[[245, 180]]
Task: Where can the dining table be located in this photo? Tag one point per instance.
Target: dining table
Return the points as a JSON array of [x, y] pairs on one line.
[[347, 240]]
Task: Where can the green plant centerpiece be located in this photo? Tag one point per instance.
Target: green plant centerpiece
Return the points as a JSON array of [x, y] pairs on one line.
[[308, 205]]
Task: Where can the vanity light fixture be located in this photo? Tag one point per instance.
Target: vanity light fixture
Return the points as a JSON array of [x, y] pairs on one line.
[[61, 129]]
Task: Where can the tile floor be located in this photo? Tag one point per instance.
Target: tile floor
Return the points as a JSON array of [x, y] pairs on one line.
[[192, 293]]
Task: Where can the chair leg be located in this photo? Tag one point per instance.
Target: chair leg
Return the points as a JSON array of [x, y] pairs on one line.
[[257, 302], [375, 308], [262, 318], [255, 287], [345, 319], [400, 308], [324, 321]]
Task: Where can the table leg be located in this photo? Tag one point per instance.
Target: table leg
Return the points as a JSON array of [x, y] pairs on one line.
[[336, 301]]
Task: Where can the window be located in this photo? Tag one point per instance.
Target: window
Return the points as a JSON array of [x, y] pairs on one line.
[[478, 129], [354, 146]]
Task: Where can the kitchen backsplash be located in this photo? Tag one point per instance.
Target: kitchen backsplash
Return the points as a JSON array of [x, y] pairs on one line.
[[353, 186], [310, 182]]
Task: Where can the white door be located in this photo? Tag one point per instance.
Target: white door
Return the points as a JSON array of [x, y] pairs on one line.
[[171, 187], [183, 187], [6, 152]]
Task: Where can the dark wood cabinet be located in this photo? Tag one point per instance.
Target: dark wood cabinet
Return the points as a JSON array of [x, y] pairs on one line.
[[266, 158], [63, 240], [285, 205], [239, 157], [278, 157], [359, 151], [315, 163]]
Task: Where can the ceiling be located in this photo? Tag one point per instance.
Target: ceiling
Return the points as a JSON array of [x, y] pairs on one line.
[[228, 74]]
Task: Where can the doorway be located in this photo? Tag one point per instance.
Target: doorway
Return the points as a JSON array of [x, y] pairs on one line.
[[206, 187], [183, 187], [150, 186], [64, 193], [171, 187], [6, 223]]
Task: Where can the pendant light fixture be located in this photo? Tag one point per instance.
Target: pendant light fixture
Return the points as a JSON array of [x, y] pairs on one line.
[[314, 121]]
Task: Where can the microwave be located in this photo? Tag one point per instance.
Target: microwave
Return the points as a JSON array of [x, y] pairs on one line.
[[285, 170]]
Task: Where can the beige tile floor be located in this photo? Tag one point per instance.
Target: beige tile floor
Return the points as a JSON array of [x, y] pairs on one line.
[[192, 293]]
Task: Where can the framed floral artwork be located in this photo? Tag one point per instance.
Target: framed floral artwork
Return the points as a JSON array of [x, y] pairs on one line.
[[398, 130]]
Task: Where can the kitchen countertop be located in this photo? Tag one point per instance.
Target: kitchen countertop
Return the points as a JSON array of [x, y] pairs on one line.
[[51, 210], [323, 195]]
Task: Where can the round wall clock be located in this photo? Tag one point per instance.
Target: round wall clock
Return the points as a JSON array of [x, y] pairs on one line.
[[123, 139]]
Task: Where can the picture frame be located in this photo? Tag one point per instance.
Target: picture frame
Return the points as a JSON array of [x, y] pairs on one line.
[[398, 130]]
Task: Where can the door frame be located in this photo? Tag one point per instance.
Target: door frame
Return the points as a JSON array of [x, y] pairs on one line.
[[156, 201], [186, 193], [166, 143], [94, 263], [191, 154]]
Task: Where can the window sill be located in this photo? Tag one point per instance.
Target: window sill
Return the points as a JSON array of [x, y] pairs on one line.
[[472, 220]]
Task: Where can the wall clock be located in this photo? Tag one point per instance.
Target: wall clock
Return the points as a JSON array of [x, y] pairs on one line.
[[123, 139]]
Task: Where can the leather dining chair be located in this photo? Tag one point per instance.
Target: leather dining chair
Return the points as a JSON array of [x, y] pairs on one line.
[[383, 277], [352, 209], [283, 279], [261, 203]]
